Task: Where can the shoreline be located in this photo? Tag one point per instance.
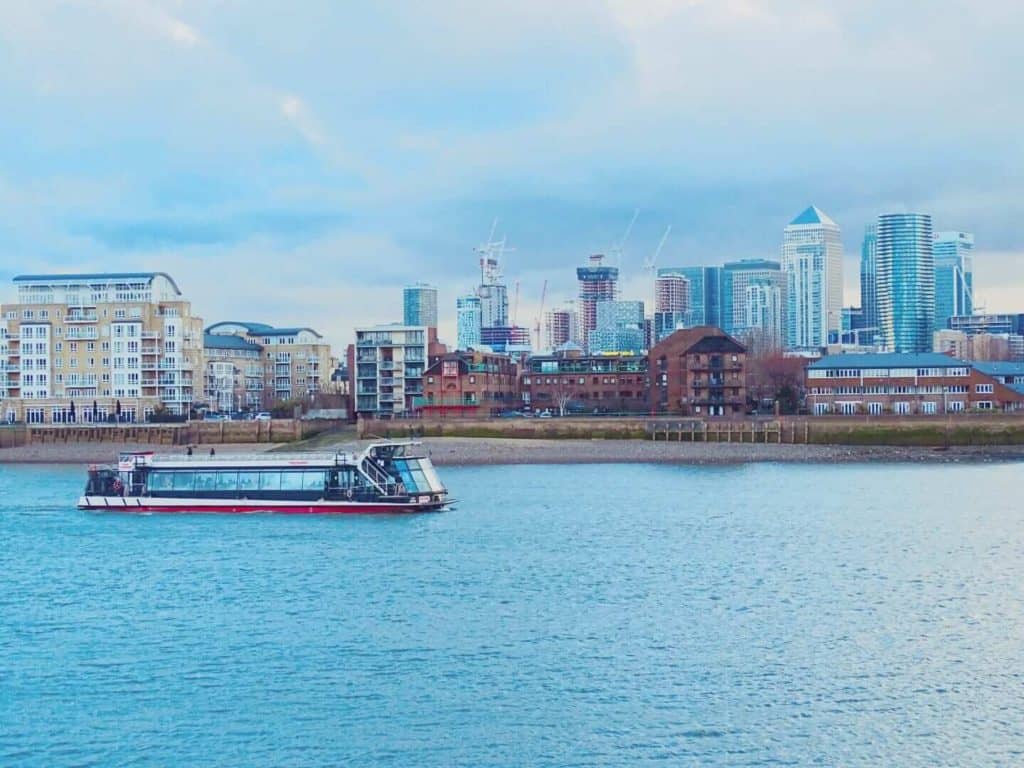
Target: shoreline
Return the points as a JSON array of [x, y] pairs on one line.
[[468, 452]]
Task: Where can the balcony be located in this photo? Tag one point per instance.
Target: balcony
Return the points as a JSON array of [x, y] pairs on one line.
[[80, 317], [387, 365], [387, 382]]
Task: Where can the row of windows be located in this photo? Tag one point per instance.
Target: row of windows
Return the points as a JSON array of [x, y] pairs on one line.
[[885, 373], [233, 481], [877, 389]]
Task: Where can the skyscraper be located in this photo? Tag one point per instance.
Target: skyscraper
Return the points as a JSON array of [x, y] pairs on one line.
[[812, 258], [469, 317], [737, 278], [869, 277], [954, 276], [493, 293], [671, 304], [619, 327], [906, 282], [561, 326], [419, 305], [705, 293], [598, 282]]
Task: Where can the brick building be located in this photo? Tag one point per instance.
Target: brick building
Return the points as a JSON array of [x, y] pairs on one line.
[[906, 384], [698, 372], [572, 382], [469, 383]]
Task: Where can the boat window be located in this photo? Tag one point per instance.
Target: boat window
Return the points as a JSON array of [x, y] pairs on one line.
[[160, 481], [313, 481], [227, 481], [206, 481], [183, 481], [291, 481], [248, 481], [270, 481]]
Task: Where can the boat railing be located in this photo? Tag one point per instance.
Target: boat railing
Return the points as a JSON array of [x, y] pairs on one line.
[[380, 479], [282, 458]]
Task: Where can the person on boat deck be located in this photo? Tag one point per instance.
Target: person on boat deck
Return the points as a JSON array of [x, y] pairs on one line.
[[213, 452], [189, 451]]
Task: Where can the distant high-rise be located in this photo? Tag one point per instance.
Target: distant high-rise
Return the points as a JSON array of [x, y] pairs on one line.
[[812, 258], [469, 318], [764, 308], [705, 294], [419, 304], [739, 316], [561, 326], [954, 276], [493, 294], [598, 282], [869, 276], [906, 282], [671, 305], [620, 327]]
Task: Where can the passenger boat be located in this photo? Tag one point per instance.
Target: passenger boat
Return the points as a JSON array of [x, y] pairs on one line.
[[389, 477]]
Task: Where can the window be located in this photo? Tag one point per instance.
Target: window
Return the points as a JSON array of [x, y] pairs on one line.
[[901, 408], [248, 481], [184, 481], [227, 481], [875, 409], [291, 481], [928, 407], [956, 406], [161, 481], [270, 481], [983, 405], [206, 481], [313, 481], [983, 389]]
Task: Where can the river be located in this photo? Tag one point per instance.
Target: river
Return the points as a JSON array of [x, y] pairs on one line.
[[598, 615]]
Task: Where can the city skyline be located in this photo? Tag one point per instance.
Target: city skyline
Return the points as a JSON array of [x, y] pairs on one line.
[[218, 140]]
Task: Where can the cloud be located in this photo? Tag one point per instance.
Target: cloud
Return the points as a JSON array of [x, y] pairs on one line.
[[186, 133]]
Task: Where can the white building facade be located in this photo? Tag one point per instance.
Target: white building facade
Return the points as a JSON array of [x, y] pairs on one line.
[[812, 261]]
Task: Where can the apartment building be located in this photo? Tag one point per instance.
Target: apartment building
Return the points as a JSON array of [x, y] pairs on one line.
[[294, 363], [572, 382], [905, 384], [469, 383], [235, 373], [388, 369], [85, 348], [698, 372]]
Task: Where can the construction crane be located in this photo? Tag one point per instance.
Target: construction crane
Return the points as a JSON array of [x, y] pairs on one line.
[[616, 250], [651, 262], [540, 315]]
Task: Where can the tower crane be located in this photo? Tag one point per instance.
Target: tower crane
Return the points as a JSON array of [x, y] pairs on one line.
[[540, 316], [616, 250], [651, 262]]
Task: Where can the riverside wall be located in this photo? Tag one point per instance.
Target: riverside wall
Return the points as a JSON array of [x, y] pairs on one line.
[[196, 432], [965, 430]]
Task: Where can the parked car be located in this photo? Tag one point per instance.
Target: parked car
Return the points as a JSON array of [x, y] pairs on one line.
[[262, 416], [545, 414]]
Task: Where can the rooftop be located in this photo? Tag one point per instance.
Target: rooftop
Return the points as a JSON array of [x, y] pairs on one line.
[[813, 215], [86, 277], [227, 341], [259, 329], [999, 367], [887, 360]]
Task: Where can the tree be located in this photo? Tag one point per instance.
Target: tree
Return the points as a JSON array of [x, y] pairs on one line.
[[776, 376], [564, 392]]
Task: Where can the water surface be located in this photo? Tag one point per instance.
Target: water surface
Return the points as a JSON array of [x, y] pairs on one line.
[[564, 615]]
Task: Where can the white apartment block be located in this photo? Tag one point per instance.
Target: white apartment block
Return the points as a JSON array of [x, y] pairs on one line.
[[389, 363], [88, 348]]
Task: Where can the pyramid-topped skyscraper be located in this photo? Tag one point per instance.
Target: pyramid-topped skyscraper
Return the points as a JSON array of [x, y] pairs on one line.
[[812, 261]]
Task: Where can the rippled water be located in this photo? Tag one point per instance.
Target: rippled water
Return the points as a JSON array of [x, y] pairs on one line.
[[592, 615]]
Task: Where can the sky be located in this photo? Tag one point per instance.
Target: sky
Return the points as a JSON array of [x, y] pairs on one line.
[[298, 162]]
